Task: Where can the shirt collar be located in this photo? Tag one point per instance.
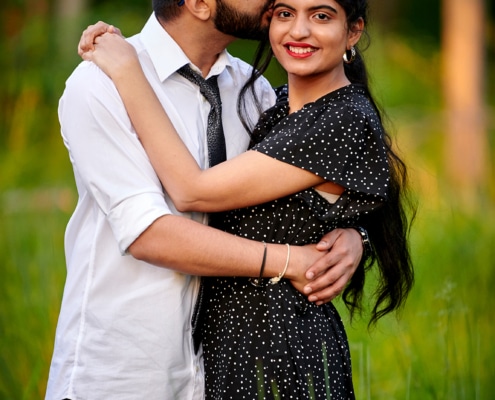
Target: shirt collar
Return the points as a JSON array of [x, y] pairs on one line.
[[167, 56]]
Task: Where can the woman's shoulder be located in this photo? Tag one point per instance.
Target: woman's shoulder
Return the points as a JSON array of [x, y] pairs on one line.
[[349, 104], [352, 96]]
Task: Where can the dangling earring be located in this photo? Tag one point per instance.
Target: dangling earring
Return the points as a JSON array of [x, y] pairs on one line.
[[347, 60]]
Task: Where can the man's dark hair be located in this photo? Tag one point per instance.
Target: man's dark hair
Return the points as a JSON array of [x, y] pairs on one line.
[[166, 10]]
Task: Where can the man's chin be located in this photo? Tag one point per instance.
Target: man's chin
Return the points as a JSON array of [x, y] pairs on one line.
[[259, 34]]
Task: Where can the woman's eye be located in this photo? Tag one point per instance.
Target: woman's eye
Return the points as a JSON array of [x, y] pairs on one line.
[[284, 14], [322, 16]]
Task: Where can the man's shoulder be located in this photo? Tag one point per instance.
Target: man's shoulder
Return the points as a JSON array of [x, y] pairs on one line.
[[239, 64], [89, 89], [86, 76], [136, 41]]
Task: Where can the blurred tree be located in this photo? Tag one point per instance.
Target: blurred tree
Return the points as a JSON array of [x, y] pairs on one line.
[[70, 8], [414, 19], [68, 13], [385, 13], [463, 46]]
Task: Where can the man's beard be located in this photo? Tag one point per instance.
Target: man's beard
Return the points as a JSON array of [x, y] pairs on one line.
[[241, 25]]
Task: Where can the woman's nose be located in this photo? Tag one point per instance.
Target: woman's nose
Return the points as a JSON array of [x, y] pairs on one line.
[[300, 28]]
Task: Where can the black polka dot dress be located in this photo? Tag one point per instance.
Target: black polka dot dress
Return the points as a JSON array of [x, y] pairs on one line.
[[270, 342]]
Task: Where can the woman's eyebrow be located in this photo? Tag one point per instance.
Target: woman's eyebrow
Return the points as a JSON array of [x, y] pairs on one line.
[[325, 6], [314, 8], [279, 5]]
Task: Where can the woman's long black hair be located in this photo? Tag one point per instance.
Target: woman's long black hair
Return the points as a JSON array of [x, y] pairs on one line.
[[389, 225]]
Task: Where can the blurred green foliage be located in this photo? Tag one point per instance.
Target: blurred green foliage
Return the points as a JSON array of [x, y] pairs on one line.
[[441, 348]]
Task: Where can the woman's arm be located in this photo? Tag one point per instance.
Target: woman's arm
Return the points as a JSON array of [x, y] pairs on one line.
[[248, 179]]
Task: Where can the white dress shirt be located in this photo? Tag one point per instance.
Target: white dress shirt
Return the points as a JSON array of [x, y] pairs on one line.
[[124, 329]]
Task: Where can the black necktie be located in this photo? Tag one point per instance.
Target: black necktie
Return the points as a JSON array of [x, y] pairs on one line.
[[216, 154], [214, 133]]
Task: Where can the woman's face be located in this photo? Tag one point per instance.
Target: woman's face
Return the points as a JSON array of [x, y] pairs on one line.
[[309, 37]]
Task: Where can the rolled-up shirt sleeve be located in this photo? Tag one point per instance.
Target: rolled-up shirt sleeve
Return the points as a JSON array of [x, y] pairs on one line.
[[110, 164]]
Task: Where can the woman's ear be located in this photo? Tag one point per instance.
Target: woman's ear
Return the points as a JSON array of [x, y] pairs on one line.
[[355, 32], [201, 9]]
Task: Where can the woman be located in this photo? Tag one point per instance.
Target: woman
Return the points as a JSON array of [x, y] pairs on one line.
[[320, 159]]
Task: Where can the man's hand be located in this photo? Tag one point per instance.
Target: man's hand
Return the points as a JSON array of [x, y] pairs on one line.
[[86, 43], [331, 273]]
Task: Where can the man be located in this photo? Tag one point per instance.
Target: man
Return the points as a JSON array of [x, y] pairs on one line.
[[125, 324]]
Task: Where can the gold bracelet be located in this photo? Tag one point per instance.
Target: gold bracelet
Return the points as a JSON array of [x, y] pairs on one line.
[[276, 279]]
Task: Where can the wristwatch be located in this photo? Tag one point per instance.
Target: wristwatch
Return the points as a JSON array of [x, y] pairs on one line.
[[368, 249]]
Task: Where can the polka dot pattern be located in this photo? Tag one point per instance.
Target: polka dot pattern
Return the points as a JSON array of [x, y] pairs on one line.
[[271, 342]]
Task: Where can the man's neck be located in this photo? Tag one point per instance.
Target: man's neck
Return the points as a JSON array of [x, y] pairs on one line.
[[201, 43]]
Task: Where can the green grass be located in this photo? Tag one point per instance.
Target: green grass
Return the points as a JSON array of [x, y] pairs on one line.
[[442, 346], [33, 273]]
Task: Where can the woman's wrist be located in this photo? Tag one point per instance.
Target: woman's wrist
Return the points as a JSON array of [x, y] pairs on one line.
[[279, 263], [127, 70]]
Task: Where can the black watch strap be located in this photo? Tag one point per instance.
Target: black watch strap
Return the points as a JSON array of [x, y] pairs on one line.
[[368, 249]]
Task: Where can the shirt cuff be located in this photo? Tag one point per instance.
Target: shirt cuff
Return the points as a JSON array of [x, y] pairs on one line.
[[130, 218]]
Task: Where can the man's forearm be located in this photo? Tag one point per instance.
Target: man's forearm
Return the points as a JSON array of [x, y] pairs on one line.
[[187, 246]]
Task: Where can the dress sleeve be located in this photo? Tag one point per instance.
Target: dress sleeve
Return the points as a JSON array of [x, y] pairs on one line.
[[342, 144]]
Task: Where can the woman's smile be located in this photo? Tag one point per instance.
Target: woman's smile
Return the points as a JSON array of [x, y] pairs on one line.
[[300, 50]]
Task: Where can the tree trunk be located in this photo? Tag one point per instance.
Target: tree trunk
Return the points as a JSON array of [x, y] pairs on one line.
[[466, 145], [71, 8], [385, 14], [69, 30]]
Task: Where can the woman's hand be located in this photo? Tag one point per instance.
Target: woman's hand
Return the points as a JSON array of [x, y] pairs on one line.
[[301, 258], [115, 56], [91, 33], [105, 45]]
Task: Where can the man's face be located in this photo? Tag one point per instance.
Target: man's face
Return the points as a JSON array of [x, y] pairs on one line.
[[243, 19]]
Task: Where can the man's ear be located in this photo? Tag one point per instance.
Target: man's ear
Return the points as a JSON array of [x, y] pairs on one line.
[[355, 32], [201, 9]]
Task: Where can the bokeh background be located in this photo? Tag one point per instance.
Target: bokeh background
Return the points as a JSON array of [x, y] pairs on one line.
[[432, 65]]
